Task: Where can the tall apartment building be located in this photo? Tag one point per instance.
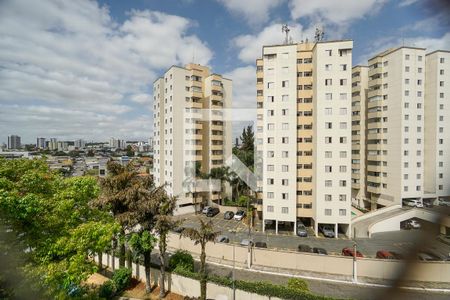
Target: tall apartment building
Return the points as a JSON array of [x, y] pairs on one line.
[[190, 131], [437, 125], [14, 142], [41, 143], [80, 144], [303, 134], [53, 144], [406, 152]]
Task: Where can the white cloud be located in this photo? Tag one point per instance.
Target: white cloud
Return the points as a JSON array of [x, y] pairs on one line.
[[407, 2], [250, 45], [244, 86], [72, 56], [255, 12], [337, 12]]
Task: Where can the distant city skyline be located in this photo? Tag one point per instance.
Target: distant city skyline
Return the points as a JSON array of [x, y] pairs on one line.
[[76, 69]]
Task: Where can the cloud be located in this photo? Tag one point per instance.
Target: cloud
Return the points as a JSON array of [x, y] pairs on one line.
[[244, 86], [404, 3], [337, 12], [255, 12], [72, 56], [250, 45]]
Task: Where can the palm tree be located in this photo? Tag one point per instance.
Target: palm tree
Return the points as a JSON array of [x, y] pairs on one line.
[[222, 174], [113, 198], [164, 223], [202, 236]]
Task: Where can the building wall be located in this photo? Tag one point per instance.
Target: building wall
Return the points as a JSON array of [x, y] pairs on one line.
[[437, 125]]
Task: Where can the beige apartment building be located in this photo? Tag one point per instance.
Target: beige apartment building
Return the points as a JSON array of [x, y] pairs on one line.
[[399, 152], [190, 132], [303, 135]]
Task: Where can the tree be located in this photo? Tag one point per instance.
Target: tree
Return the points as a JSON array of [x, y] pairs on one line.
[[222, 174], [164, 223], [143, 243], [201, 236], [247, 139]]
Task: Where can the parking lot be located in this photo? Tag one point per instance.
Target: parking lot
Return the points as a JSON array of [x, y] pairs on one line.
[[399, 241]]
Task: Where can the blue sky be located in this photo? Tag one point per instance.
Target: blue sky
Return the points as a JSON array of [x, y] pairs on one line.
[[83, 69]]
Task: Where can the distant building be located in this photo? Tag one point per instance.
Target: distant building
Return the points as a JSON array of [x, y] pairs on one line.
[[53, 144], [14, 142], [80, 144], [117, 143], [41, 143]]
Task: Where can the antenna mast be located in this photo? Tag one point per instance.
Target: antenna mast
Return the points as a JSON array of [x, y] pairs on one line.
[[319, 34], [286, 29]]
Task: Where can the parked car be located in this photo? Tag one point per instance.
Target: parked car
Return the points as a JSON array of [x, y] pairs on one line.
[[428, 204], [246, 242], [413, 203], [414, 224], [178, 229], [443, 202], [228, 215], [301, 230], [222, 239], [240, 214], [304, 248], [424, 256], [320, 251], [212, 212], [261, 245], [205, 209], [383, 254], [397, 255], [347, 251], [328, 231]]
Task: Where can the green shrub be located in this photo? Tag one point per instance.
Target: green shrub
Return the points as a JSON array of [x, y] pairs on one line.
[[181, 259], [107, 290], [298, 284], [122, 278]]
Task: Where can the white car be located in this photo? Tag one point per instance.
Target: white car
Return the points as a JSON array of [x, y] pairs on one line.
[[443, 202], [240, 214], [414, 224], [414, 203], [205, 209]]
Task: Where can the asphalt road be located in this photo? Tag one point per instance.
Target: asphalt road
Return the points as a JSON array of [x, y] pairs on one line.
[[398, 241]]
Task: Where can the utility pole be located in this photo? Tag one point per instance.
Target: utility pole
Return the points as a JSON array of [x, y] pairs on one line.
[[249, 255], [355, 276], [234, 265]]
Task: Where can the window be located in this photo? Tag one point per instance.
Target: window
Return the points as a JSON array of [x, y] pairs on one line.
[[342, 197], [343, 81], [406, 81], [342, 169], [285, 83], [270, 140], [328, 111], [343, 96], [328, 140], [270, 168], [343, 111], [441, 95], [284, 154], [269, 208], [285, 210], [405, 188], [285, 70], [406, 93], [419, 70], [407, 57], [284, 182], [270, 181], [343, 140], [284, 112], [441, 83], [342, 183], [270, 85], [441, 72], [441, 60], [328, 125], [419, 82], [327, 212], [343, 67], [419, 58], [285, 140], [407, 69], [285, 168], [285, 98], [284, 196], [328, 183], [343, 125], [270, 98], [328, 154], [270, 126], [270, 112], [342, 212], [328, 81], [328, 67], [285, 126], [328, 169], [270, 154], [329, 52], [328, 96], [343, 154]]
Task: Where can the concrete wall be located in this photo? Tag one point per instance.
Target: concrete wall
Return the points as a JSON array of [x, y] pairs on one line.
[[339, 266], [375, 213], [185, 286]]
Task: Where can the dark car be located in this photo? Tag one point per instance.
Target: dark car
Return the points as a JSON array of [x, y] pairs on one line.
[[228, 215], [261, 245], [301, 230], [212, 211], [383, 254], [304, 248], [222, 239], [349, 252], [320, 251]]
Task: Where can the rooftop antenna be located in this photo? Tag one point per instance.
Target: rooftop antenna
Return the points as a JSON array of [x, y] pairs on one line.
[[286, 30], [319, 34]]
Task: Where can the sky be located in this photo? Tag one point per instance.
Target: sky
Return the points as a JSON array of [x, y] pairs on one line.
[[84, 69]]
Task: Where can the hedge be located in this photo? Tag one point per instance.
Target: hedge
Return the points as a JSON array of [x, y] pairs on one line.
[[262, 288]]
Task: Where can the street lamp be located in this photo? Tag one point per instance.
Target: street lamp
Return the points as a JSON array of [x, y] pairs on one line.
[[234, 263], [355, 277]]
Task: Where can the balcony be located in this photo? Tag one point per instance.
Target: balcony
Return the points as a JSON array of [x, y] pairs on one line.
[[216, 157], [194, 104], [375, 136], [216, 147], [375, 114], [373, 189], [375, 103], [377, 81], [355, 186], [373, 93], [374, 147], [374, 179], [216, 88], [216, 127], [196, 94], [371, 168]]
